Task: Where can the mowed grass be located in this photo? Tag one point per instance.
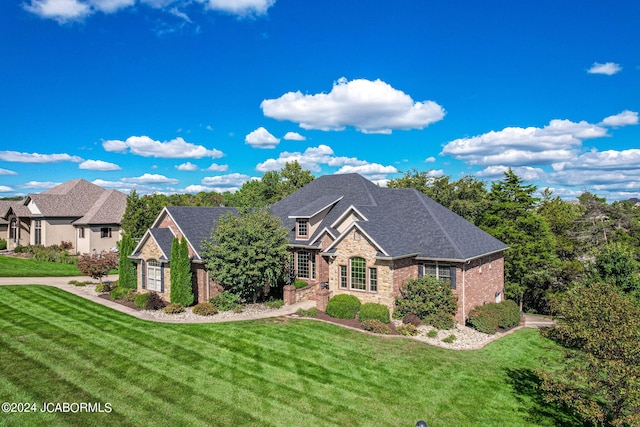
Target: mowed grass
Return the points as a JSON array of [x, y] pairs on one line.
[[56, 347], [21, 267]]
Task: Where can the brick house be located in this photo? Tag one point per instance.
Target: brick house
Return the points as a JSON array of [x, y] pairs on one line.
[[350, 236], [84, 214]]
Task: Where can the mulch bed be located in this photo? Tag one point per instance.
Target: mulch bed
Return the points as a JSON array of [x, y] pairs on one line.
[[129, 304], [351, 323]]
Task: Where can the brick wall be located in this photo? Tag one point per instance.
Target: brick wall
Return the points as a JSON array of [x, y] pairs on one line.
[[484, 278]]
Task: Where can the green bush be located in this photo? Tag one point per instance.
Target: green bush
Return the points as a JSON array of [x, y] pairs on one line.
[[489, 317], [78, 283], [274, 304], [173, 308], [425, 297], [449, 339], [225, 301], [407, 329], [103, 287], [21, 249], [441, 320], [204, 309], [509, 314], [412, 319], [141, 300], [343, 306], [484, 319], [432, 333], [372, 310], [311, 312], [130, 296], [298, 283], [118, 293], [3, 244], [376, 326]]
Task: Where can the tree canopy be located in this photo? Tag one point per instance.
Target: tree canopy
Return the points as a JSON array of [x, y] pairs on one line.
[[247, 253]]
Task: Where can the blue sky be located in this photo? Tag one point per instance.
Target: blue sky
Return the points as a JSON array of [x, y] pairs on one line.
[[192, 95]]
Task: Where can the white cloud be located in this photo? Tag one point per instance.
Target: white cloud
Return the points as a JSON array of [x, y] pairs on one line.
[[368, 106], [39, 185], [99, 165], [7, 172], [217, 168], [608, 68], [5, 189], [241, 7], [527, 173], [64, 11], [188, 166], [294, 136], [221, 183], [261, 138], [372, 171], [626, 118], [560, 140], [148, 178], [430, 159], [15, 156], [603, 160], [177, 148], [59, 10], [310, 159]]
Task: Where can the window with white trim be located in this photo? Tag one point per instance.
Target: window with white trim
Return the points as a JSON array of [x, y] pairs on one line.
[[358, 274], [373, 279], [303, 228], [343, 276], [303, 264], [154, 275]]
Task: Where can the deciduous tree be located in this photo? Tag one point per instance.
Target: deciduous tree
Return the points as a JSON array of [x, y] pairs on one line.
[[97, 266]]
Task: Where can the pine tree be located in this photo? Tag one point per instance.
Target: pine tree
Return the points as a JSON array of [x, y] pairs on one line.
[[180, 266]]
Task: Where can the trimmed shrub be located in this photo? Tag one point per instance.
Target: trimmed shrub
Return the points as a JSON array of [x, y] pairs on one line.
[[225, 301], [130, 296], [173, 308], [407, 329], [412, 319], [432, 333], [118, 293], [343, 306], [21, 249], [449, 339], [489, 317], [155, 302], [484, 319], [103, 287], [441, 320], [298, 283], [509, 314], [204, 309], [376, 326], [372, 310], [311, 312], [3, 244], [425, 297], [274, 304], [141, 300]]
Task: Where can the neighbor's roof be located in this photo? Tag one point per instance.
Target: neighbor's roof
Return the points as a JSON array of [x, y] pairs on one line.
[[91, 203], [402, 222]]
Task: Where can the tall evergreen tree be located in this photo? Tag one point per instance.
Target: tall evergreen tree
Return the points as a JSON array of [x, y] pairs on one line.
[[181, 291], [530, 260], [126, 267]]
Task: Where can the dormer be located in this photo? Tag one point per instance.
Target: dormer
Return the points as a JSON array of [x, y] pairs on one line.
[[310, 216], [350, 215]]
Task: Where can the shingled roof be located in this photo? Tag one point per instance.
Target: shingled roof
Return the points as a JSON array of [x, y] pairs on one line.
[[401, 222], [78, 198]]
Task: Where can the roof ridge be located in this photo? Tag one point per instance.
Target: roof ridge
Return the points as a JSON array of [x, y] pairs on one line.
[[422, 198]]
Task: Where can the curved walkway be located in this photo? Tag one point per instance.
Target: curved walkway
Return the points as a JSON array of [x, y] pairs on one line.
[[82, 291]]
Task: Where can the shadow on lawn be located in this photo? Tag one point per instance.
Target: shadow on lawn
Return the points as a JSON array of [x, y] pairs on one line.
[[526, 387]]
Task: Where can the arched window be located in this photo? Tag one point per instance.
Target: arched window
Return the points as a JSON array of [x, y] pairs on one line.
[[154, 275], [358, 273]]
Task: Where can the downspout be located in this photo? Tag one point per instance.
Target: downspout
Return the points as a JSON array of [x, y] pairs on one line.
[[464, 289], [206, 280]]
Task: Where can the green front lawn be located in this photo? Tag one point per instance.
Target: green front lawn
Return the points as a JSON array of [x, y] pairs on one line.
[[21, 267], [56, 347]]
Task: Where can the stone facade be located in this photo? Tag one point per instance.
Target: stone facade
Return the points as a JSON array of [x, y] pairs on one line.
[[151, 251]]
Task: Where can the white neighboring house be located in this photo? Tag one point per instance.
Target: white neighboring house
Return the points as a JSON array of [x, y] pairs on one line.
[[84, 214]]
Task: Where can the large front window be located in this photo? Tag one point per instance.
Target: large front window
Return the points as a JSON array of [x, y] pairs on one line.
[[358, 273], [303, 264], [38, 232], [154, 275]]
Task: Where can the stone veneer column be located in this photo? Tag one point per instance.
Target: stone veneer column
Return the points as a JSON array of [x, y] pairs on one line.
[[322, 299], [289, 294]]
